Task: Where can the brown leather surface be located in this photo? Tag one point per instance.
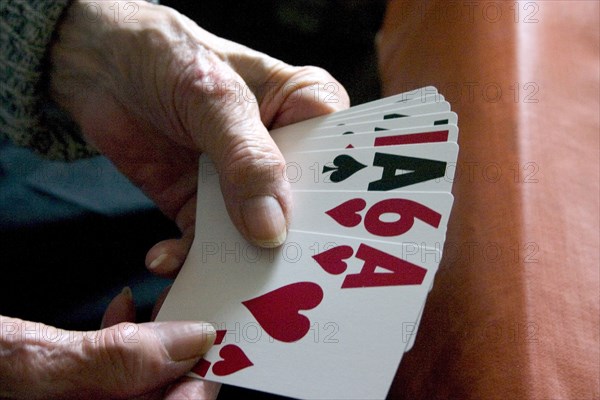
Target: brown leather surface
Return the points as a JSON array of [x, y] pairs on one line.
[[514, 312]]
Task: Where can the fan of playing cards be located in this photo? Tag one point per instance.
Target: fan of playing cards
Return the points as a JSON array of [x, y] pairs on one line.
[[330, 313]]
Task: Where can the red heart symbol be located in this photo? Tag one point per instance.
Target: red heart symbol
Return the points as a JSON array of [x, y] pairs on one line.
[[332, 260], [346, 214], [277, 311], [234, 359]]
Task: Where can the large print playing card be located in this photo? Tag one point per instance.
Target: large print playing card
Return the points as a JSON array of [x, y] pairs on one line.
[[329, 313], [417, 218], [424, 167], [394, 137], [319, 317]]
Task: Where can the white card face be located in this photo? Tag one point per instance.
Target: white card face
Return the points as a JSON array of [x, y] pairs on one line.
[[389, 111], [289, 139], [318, 317], [417, 219], [410, 333], [406, 136], [417, 168], [429, 92], [416, 109], [411, 121], [421, 93], [318, 124]]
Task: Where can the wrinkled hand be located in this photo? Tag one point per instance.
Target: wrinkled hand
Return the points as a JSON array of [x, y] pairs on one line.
[[155, 93], [121, 361], [122, 309]]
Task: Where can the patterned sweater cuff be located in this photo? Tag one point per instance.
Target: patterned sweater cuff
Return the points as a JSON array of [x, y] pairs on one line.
[[27, 115]]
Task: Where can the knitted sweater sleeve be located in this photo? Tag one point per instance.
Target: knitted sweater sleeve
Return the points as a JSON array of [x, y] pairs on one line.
[[27, 115]]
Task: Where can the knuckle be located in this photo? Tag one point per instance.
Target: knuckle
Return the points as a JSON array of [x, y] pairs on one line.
[[121, 363], [117, 360], [312, 75], [205, 92]]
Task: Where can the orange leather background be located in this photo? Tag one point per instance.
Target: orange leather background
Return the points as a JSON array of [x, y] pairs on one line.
[[514, 312]]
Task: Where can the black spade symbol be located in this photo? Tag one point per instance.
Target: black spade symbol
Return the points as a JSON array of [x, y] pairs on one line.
[[344, 167]]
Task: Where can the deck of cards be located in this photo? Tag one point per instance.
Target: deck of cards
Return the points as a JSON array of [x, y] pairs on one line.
[[329, 314]]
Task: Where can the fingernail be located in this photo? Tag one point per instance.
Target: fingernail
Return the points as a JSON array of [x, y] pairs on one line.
[[265, 221], [121, 308], [184, 340], [164, 262], [127, 293]]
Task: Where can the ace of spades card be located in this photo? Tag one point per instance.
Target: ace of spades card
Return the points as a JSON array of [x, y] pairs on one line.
[[330, 313]]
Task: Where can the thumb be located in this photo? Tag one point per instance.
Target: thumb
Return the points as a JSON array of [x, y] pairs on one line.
[[122, 361], [250, 166]]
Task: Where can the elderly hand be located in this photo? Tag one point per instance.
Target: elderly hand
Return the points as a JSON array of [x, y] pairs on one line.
[[152, 90], [118, 362], [122, 310]]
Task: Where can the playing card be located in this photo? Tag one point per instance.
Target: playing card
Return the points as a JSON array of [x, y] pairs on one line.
[[388, 111], [420, 135], [423, 167], [271, 302], [347, 214], [419, 219], [294, 138], [423, 94], [330, 312], [319, 126]]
